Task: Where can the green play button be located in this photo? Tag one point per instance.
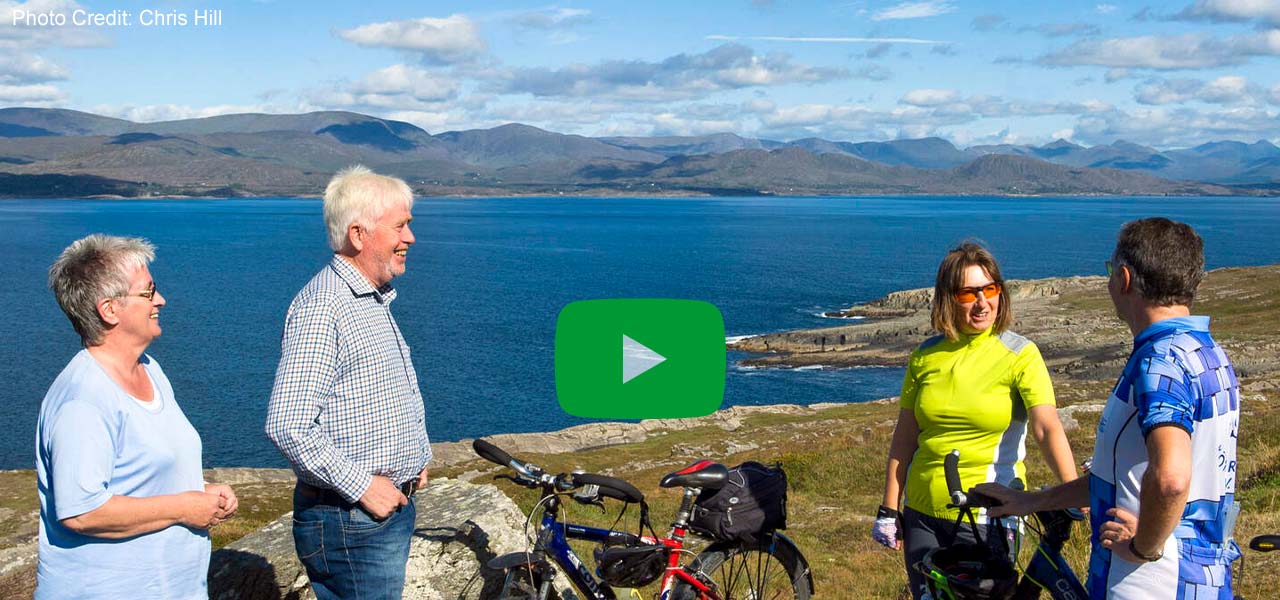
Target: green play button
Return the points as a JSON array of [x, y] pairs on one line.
[[640, 358]]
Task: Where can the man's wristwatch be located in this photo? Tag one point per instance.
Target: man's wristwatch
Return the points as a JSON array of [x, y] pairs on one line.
[[1153, 558]]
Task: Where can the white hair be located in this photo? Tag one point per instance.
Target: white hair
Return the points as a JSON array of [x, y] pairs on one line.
[[358, 196], [91, 269]]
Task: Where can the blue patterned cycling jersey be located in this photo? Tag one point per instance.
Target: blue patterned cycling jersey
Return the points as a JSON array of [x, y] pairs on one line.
[[1177, 375]]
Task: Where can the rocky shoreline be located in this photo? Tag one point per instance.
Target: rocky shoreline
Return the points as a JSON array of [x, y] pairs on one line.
[[1069, 318]]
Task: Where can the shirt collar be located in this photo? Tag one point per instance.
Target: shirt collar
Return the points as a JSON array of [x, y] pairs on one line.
[[359, 284], [1189, 323]]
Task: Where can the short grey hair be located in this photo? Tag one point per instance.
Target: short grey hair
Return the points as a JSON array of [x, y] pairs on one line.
[[91, 269], [358, 196]]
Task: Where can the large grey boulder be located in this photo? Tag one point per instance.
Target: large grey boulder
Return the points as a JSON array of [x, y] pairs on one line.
[[460, 526]]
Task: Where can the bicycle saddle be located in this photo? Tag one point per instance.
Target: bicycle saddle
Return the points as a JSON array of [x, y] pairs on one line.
[[702, 474]]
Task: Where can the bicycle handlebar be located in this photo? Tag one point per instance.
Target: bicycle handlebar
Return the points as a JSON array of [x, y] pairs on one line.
[[1265, 543], [610, 486], [492, 453], [531, 475], [960, 498]]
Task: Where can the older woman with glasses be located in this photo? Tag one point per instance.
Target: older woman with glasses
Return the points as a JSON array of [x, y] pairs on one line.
[[974, 388], [124, 511]]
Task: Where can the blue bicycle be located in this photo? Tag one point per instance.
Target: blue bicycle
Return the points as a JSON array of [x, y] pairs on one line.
[[970, 570], [769, 568]]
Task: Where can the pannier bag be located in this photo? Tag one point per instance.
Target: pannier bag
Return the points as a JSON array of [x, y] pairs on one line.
[[752, 502]]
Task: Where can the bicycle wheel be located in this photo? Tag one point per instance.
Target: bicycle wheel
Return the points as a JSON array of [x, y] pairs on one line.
[[771, 569]]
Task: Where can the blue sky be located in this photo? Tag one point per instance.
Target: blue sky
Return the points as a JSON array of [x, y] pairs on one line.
[[1170, 74]]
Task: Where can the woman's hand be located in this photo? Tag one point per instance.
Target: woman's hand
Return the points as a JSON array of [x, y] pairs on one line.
[[203, 510], [230, 503], [885, 530]]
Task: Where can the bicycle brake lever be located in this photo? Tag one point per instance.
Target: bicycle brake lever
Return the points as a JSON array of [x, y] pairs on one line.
[[517, 480]]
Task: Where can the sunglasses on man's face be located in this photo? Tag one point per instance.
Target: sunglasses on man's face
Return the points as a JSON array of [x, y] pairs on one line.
[[966, 295]]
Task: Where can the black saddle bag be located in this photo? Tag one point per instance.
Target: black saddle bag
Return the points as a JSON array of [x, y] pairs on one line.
[[753, 502]]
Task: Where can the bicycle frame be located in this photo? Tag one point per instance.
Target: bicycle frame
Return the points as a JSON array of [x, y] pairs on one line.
[[1047, 569], [554, 536]]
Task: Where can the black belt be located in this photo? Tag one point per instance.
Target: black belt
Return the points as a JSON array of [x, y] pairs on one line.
[[333, 498]]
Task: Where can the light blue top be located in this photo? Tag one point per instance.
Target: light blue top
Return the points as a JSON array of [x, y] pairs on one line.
[[94, 441]]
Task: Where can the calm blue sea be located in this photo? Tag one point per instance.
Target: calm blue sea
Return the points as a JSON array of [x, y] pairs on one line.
[[488, 276]]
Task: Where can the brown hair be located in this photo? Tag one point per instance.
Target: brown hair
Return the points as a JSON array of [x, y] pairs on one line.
[[1165, 260], [946, 315]]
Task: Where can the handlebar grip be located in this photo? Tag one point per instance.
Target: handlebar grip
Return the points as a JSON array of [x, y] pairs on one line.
[[492, 453], [1265, 543], [611, 486], [951, 469]]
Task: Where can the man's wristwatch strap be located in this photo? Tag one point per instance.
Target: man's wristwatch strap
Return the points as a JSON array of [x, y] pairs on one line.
[[1152, 558]]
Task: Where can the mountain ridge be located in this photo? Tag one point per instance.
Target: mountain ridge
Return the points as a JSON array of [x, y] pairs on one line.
[[260, 154]]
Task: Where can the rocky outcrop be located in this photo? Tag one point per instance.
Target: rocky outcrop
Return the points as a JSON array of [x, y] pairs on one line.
[[460, 526], [598, 435]]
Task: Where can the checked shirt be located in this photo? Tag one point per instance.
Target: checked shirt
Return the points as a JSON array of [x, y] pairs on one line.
[[346, 405]]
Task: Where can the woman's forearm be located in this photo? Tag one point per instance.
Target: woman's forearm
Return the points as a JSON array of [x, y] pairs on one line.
[[124, 516], [900, 450]]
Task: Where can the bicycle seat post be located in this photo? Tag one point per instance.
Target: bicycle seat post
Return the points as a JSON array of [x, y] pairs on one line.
[[686, 511]]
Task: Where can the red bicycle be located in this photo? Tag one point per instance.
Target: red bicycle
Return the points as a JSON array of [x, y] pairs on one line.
[[769, 568]]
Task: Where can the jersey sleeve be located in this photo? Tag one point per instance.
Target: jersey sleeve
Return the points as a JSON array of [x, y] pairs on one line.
[[910, 386], [1031, 377], [1163, 395], [82, 450]]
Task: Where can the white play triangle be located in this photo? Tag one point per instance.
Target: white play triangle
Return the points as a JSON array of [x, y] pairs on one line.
[[637, 358]]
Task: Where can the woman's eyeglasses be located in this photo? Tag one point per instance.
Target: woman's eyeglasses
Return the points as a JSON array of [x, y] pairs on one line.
[[148, 293], [966, 295]]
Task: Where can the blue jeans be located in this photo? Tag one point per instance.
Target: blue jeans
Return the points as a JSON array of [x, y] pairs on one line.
[[347, 554]]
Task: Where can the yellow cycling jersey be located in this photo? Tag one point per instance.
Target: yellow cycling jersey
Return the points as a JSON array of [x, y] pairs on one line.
[[971, 395]]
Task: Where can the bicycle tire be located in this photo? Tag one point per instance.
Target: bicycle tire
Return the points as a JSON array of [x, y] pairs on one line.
[[770, 569], [522, 585]]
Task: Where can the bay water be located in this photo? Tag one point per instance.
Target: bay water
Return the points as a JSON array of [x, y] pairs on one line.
[[488, 276]]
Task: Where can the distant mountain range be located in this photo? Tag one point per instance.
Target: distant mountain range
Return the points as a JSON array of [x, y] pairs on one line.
[[65, 153]]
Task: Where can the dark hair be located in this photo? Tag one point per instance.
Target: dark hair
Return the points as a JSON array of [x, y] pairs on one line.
[[950, 279], [1165, 260]]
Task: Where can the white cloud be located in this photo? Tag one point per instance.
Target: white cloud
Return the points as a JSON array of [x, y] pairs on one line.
[[29, 68], [31, 95], [1228, 89], [403, 80], [551, 18], [1179, 127], [914, 10], [26, 34], [1106, 9], [930, 97], [1232, 11], [823, 40], [1063, 29], [1188, 51], [173, 112], [731, 66], [448, 40]]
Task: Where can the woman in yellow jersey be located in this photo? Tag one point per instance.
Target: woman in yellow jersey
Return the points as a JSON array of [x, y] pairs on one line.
[[974, 388]]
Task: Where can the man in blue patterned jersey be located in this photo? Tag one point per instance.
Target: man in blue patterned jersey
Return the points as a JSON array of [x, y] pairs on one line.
[[346, 409], [1162, 484]]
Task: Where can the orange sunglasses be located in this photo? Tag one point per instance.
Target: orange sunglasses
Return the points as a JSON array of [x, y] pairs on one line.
[[966, 295]]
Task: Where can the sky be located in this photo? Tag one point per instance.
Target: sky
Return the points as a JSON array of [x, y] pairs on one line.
[[1167, 74]]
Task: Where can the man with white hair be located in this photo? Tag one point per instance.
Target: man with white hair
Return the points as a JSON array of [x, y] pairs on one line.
[[346, 410]]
